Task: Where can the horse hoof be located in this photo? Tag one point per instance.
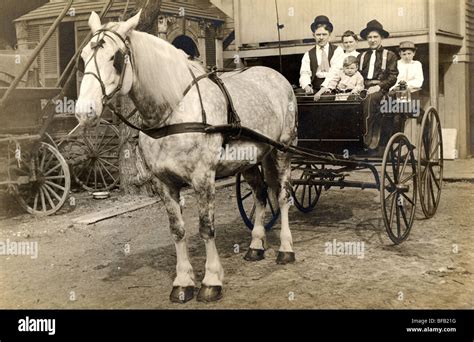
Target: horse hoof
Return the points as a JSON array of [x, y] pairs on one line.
[[181, 294], [209, 294], [254, 254], [285, 258]]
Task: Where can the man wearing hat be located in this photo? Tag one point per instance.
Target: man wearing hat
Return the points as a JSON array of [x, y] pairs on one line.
[[317, 62], [378, 66]]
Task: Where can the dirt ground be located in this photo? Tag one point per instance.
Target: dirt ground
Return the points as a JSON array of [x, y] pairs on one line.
[[91, 267]]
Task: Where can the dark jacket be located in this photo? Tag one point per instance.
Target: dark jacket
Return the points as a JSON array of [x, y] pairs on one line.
[[387, 78]]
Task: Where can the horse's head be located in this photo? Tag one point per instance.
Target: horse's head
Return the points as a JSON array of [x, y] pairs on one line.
[[106, 65]]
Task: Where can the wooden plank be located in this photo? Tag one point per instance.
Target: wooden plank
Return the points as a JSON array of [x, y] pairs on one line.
[[32, 93], [134, 205]]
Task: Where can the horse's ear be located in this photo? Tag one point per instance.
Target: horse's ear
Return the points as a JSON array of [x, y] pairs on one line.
[[130, 24], [94, 22]]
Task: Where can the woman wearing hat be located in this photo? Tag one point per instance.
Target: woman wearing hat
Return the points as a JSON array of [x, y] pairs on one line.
[[317, 62]]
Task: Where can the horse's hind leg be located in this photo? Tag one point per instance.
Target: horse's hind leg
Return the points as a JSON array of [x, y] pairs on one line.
[[183, 284], [257, 246], [277, 168], [211, 288]]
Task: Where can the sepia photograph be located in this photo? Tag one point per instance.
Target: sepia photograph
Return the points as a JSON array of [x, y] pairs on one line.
[[237, 155]]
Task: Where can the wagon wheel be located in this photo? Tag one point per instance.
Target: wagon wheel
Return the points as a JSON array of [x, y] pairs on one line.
[[430, 162], [246, 204], [398, 187], [49, 180], [98, 170], [308, 197]]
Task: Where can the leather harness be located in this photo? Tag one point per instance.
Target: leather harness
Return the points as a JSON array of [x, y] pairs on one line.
[[187, 127]]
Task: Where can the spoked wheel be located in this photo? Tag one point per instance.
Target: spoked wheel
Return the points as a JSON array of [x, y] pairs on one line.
[[48, 180], [398, 188], [430, 162], [305, 196], [96, 165], [247, 207]]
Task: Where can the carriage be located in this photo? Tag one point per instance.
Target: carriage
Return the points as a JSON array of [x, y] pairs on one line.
[[37, 162], [331, 133]]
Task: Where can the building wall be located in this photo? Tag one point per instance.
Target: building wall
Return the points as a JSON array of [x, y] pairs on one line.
[[297, 16]]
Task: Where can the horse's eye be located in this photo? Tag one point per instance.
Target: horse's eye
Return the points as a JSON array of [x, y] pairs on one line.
[[111, 58]]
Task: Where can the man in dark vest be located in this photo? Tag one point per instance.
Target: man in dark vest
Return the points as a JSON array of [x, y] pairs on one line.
[[317, 61], [378, 66]]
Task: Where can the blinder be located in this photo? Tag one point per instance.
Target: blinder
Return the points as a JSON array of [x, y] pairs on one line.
[[119, 61]]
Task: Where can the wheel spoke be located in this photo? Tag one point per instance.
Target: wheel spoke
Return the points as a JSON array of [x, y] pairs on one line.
[[247, 195], [435, 179], [35, 202], [48, 188], [408, 178], [404, 216], [102, 174], [57, 186], [109, 163], [408, 199], [252, 213], [397, 208], [48, 197], [43, 204], [391, 212], [51, 170], [111, 176], [271, 206]]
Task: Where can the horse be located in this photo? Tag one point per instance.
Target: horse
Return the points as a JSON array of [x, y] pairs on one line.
[[165, 87]]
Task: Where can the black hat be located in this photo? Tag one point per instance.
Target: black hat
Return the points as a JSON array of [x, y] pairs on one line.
[[374, 25], [321, 19]]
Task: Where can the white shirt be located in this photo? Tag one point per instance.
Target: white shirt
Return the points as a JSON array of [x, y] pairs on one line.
[[335, 69], [305, 71], [412, 73]]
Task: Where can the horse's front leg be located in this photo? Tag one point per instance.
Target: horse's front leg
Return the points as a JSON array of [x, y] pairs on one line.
[[183, 284], [211, 288]]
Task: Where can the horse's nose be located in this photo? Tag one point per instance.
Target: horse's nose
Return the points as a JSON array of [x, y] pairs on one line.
[[85, 112]]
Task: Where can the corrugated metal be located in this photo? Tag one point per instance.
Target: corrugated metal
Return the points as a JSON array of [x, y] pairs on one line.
[[52, 10]]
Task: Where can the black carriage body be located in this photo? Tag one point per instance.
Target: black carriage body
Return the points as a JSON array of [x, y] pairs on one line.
[[333, 126]]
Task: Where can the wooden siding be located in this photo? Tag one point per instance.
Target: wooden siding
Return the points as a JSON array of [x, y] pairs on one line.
[[297, 16]]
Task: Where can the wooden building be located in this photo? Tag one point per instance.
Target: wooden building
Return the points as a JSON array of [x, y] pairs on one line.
[[442, 30], [194, 26]]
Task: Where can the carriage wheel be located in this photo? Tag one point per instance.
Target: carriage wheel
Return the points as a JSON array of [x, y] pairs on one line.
[[246, 203], [430, 162], [398, 187], [50, 181], [99, 168], [308, 197]]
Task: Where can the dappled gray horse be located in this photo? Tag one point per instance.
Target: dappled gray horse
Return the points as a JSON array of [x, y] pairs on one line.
[[156, 75]]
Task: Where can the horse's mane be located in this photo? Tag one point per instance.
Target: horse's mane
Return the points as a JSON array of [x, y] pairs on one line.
[[161, 68]]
